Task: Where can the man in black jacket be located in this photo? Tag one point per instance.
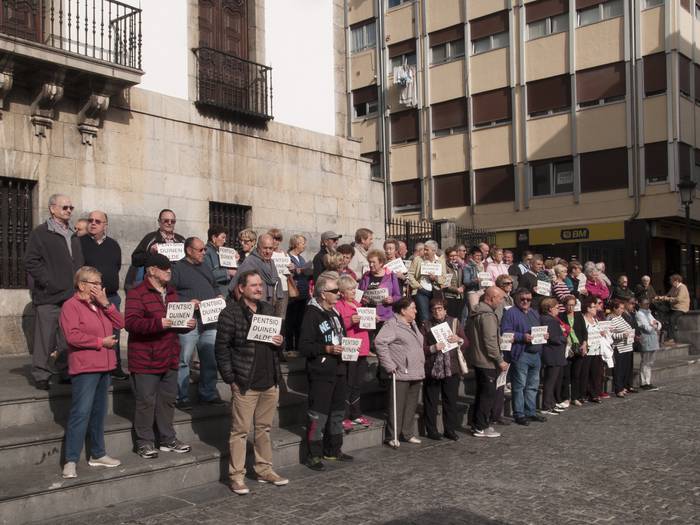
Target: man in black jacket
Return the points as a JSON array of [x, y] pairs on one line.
[[252, 369], [329, 240], [52, 257]]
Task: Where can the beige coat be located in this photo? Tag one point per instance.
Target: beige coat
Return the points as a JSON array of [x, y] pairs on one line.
[[399, 348], [414, 275]]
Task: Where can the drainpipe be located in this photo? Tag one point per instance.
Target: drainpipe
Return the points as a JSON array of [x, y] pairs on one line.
[[470, 116], [428, 117], [384, 129], [634, 105], [348, 78]]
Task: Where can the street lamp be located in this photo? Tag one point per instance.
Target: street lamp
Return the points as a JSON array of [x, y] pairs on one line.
[[686, 187]]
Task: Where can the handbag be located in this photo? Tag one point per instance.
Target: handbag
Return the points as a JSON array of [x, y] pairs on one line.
[[292, 288], [463, 368]]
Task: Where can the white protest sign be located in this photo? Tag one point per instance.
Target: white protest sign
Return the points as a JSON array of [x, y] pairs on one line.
[[396, 266], [582, 283], [180, 313], [358, 294], [210, 309], [425, 284], [351, 348], [539, 335], [485, 280], [507, 341], [281, 261], [577, 307], [629, 337], [502, 377], [448, 280], [376, 295], [368, 318], [543, 288], [228, 257], [441, 332], [605, 326], [264, 327], [174, 251], [428, 268], [594, 337]]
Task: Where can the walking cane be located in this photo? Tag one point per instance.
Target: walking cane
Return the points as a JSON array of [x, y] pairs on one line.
[[394, 442]]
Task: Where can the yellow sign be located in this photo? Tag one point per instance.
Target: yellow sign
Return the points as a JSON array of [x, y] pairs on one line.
[[610, 231]]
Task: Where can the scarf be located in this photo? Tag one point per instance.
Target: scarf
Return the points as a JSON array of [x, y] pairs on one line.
[[268, 273]]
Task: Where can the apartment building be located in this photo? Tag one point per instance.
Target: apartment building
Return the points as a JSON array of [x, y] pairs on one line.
[[565, 125]]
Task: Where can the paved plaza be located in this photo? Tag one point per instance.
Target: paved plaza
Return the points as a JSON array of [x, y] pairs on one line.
[[629, 461]]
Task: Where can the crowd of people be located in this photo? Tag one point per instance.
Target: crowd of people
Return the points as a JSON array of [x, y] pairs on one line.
[[430, 317]]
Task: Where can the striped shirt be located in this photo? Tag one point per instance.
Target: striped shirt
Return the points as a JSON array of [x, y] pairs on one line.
[[620, 331]]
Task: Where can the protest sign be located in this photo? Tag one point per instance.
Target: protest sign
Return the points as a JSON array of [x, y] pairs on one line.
[[539, 335], [210, 309], [376, 295], [543, 288], [264, 327], [577, 307], [174, 251], [368, 318], [351, 348], [358, 294], [396, 266], [441, 332], [582, 283], [227, 257], [502, 377], [448, 280], [180, 313], [507, 341], [428, 268], [485, 279], [281, 261]]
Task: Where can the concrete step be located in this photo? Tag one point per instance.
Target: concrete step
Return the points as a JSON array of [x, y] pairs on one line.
[[669, 352], [669, 369]]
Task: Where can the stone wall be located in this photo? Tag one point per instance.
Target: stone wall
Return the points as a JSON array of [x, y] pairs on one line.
[[159, 152]]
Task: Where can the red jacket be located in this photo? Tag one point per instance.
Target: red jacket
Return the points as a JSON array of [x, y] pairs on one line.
[[152, 349], [85, 326]]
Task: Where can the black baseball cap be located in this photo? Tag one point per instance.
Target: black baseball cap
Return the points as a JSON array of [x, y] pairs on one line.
[[159, 260]]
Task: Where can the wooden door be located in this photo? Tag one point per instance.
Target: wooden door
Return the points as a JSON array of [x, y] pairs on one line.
[[21, 18]]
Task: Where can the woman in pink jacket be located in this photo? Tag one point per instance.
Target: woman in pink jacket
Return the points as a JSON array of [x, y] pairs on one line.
[[88, 321], [595, 286], [356, 370]]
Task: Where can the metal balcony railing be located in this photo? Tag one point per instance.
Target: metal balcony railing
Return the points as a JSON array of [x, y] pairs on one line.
[[101, 29], [232, 84]]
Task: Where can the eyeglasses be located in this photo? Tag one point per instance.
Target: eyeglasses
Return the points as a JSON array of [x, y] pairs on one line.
[[200, 250], [168, 221], [66, 208], [94, 283], [526, 299], [436, 309], [506, 283], [95, 221], [333, 291], [571, 305]]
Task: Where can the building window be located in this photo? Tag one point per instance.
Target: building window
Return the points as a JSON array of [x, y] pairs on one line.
[[396, 3], [549, 95], [686, 163], [233, 217], [684, 75], [404, 126], [363, 36], [452, 191], [600, 11], [552, 177], [696, 167], [403, 53], [376, 168], [447, 52], [548, 26], [365, 102], [604, 170], [492, 107], [495, 185], [406, 195], [489, 32], [600, 85], [651, 3], [449, 117], [655, 74], [656, 161], [546, 17], [697, 10], [15, 226]]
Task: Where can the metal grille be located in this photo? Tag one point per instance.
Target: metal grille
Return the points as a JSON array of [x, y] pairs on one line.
[[15, 227], [412, 232], [233, 217], [472, 237]]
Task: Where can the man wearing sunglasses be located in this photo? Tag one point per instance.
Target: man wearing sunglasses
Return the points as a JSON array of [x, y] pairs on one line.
[[148, 245], [103, 252], [52, 257]]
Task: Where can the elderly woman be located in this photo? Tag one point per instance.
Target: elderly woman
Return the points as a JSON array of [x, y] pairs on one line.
[[623, 339], [247, 239], [348, 252], [576, 344], [649, 343], [595, 285], [553, 355], [454, 292], [88, 321], [378, 277], [589, 376], [424, 283], [222, 276], [442, 372], [301, 275], [399, 346]]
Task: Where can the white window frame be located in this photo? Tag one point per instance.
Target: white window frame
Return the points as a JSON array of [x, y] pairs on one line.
[[403, 59], [551, 168], [450, 53], [490, 40], [401, 2], [371, 108], [450, 131], [365, 33], [601, 13], [549, 26], [648, 4]]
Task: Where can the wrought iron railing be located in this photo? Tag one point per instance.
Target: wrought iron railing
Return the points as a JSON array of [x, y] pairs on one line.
[[412, 232], [227, 82], [102, 29], [474, 236], [15, 227]]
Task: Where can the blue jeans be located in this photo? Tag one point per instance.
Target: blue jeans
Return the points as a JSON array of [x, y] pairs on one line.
[[116, 301], [204, 341], [87, 414], [423, 298], [525, 380]]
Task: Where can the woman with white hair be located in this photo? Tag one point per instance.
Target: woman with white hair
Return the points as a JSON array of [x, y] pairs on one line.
[[595, 286], [422, 283]]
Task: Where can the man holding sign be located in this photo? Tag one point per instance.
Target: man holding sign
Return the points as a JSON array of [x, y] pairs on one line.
[[252, 369], [195, 283]]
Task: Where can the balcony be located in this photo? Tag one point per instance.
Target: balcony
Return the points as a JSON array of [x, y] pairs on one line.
[[231, 85]]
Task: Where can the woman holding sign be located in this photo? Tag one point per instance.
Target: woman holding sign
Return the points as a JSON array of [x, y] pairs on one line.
[[222, 272], [427, 274], [588, 374], [380, 286], [553, 355], [623, 339]]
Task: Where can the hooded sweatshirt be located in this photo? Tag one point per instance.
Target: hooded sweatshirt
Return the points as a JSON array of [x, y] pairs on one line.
[[321, 328], [482, 331]]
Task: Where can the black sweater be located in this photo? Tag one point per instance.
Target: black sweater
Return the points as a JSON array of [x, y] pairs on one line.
[[317, 331], [106, 257]]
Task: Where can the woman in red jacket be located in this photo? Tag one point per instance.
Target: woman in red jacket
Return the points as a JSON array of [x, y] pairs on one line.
[[88, 321]]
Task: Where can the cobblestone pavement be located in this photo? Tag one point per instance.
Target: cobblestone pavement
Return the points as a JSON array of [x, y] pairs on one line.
[[632, 461]]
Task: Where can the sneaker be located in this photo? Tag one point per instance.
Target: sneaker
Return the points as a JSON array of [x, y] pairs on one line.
[[347, 425], [175, 446], [435, 436], [185, 406], [578, 403], [315, 463], [604, 395], [550, 412], [340, 457], [564, 404], [119, 375], [596, 400], [502, 421], [651, 388], [147, 451], [362, 420], [631, 390], [487, 433], [537, 418], [414, 440], [558, 410], [240, 488], [274, 478], [69, 470], [104, 461]]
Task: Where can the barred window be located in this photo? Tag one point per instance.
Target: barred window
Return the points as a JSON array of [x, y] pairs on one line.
[[233, 217], [15, 226]]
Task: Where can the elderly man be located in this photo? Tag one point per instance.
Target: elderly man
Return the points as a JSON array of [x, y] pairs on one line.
[[402, 249], [644, 290], [524, 357], [103, 252], [678, 298], [195, 282], [252, 369], [82, 227], [52, 257], [363, 244], [484, 355], [329, 242], [165, 234], [260, 261]]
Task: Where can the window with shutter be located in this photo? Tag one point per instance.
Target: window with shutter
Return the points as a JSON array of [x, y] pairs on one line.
[[452, 191], [365, 101], [404, 126], [685, 161], [406, 194], [656, 161], [495, 185], [655, 74], [604, 170], [489, 32], [684, 75], [449, 117], [549, 95], [599, 85], [492, 107]]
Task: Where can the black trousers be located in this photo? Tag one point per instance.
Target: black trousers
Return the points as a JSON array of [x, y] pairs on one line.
[[551, 383], [357, 371], [325, 415], [622, 373], [433, 390], [565, 391], [292, 322], [595, 376], [580, 373], [485, 396]]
